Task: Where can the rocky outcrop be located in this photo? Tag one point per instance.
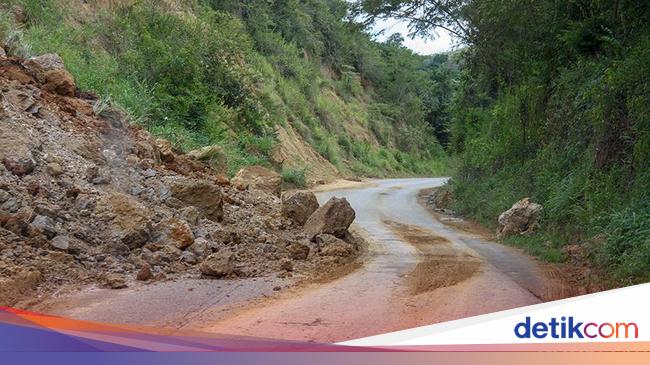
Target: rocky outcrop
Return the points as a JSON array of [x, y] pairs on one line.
[[333, 218], [299, 206], [258, 178], [522, 218]]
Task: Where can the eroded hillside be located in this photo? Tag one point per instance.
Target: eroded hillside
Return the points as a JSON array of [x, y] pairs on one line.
[[298, 87], [86, 198]]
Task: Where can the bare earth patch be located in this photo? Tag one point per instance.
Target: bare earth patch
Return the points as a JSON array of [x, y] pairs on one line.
[[436, 273], [442, 265], [559, 280]]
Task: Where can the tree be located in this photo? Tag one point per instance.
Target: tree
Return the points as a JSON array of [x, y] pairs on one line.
[[425, 17]]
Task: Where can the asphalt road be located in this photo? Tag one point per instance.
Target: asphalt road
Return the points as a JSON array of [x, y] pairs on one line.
[[380, 296], [416, 271]]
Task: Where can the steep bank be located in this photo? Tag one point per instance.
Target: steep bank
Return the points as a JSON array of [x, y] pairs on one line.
[[87, 199], [238, 75]]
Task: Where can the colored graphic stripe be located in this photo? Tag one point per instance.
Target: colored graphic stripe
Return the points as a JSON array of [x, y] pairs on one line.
[[24, 331]]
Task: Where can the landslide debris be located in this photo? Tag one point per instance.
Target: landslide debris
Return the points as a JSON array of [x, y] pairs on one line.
[[333, 218], [521, 218], [88, 199]]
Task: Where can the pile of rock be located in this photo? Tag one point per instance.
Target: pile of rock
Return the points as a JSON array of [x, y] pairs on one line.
[[85, 199]]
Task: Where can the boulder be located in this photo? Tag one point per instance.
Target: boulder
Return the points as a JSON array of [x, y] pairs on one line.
[[131, 223], [47, 62], [218, 264], [176, 232], [258, 178], [333, 246], [212, 155], [17, 223], [286, 264], [522, 218], [61, 242], [190, 214], [43, 225], [199, 247], [60, 82], [115, 281], [144, 274], [54, 169], [332, 218], [188, 258], [299, 206], [22, 100], [49, 69], [203, 195], [16, 152], [13, 287], [69, 244], [222, 180]]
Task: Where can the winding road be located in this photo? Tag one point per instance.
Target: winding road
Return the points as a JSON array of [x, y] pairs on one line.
[[390, 292], [418, 269]]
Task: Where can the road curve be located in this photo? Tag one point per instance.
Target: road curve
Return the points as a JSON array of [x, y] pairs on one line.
[[380, 296]]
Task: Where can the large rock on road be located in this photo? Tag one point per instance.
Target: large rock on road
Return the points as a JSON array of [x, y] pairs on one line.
[[332, 218], [299, 206]]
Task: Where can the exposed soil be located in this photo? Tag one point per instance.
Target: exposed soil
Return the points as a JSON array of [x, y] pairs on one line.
[[441, 265], [88, 201], [436, 273], [560, 280]]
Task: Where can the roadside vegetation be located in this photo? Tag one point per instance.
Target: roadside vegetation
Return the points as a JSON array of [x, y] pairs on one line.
[[227, 73], [552, 102]]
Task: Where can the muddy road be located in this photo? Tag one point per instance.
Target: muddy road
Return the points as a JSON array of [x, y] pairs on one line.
[[416, 270]]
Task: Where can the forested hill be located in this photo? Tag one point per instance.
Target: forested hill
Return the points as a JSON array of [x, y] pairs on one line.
[[553, 103], [294, 85]]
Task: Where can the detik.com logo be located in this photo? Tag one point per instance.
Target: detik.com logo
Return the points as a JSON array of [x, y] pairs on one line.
[[568, 327]]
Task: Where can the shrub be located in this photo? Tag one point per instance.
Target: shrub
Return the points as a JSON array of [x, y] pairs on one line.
[[295, 177]]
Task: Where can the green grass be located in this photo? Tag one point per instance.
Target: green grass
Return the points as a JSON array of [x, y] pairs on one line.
[[294, 177], [201, 76]]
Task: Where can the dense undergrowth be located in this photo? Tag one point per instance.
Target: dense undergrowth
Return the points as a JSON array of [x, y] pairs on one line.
[[226, 73], [553, 103], [561, 113]]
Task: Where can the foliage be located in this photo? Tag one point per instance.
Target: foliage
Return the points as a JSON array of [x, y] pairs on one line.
[[207, 72], [553, 102], [294, 177]]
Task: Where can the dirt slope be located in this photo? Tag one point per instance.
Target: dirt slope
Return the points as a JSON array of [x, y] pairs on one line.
[[293, 152], [87, 199]]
